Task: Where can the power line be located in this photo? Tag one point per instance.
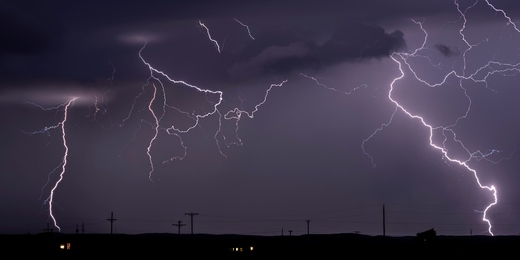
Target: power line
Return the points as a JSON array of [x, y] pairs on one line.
[[179, 225], [307, 225], [48, 229], [111, 219], [191, 214]]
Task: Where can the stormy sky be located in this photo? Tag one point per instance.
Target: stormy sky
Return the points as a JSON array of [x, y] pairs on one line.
[[259, 116]]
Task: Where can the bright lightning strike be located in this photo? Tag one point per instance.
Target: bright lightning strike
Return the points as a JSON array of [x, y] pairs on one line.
[[63, 164], [156, 131], [443, 150], [402, 59], [504, 14]]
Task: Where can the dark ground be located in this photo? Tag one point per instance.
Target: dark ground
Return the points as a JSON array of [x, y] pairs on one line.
[[314, 246]]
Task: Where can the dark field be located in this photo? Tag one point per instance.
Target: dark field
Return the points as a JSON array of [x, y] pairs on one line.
[[258, 247]]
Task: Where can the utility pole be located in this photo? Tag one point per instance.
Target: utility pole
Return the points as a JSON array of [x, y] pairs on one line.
[[191, 214], [48, 229], [384, 228], [111, 219], [179, 225], [308, 226], [290, 232]]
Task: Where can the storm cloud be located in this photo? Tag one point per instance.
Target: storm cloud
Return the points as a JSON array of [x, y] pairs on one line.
[[351, 42]]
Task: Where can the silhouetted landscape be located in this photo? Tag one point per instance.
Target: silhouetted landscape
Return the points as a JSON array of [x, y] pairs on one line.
[[245, 246]]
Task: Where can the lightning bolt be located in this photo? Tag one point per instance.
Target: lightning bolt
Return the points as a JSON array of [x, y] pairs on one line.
[[63, 164], [330, 88], [247, 28], [348, 93], [156, 132], [173, 130], [233, 114], [442, 149], [99, 103], [510, 22], [237, 113], [209, 35], [402, 59]]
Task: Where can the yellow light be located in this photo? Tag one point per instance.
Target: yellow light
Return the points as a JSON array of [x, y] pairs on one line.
[[250, 248], [62, 246]]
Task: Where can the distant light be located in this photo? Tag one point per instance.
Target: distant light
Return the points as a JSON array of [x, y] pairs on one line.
[[241, 249]]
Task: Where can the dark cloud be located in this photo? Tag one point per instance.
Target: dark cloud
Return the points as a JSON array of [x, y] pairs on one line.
[[357, 41], [26, 33], [35, 29], [446, 51], [27, 38], [290, 51], [20, 38]]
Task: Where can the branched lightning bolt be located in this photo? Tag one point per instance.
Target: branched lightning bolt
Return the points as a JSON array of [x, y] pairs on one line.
[[233, 114], [63, 164], [442, 149], [173, 130], [237, 113], [348, 93], [402, 60]]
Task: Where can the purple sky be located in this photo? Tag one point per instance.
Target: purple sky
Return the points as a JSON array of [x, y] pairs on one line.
[[265, 115]]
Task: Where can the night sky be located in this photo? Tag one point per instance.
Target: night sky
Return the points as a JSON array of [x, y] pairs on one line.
[[259, 116]]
